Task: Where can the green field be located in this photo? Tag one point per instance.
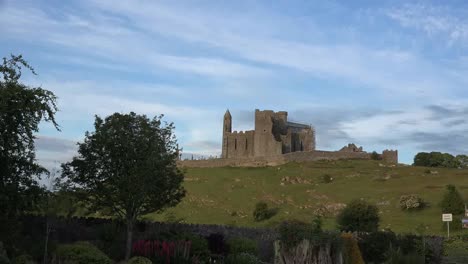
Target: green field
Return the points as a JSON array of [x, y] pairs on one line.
[[228, 195]]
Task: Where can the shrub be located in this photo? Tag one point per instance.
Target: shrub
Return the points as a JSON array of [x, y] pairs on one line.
[[292, 232], [411, 201], [200, 249], [396, 256], [24, 259], [139, 260], [81, 253], [242, 245], [359, 215], [374, 246], [326, 178], [375, 156], [3, 255], [217, 244], [262, 212], [352, 254], [242, 258], [452, 202]]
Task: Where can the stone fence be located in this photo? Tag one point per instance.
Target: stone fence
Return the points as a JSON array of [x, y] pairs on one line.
[[302, 156]]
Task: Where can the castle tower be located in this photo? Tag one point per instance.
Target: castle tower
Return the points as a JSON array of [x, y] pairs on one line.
[[227, 129]]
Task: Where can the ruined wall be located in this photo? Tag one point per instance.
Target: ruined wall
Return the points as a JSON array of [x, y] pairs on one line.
[[265, 142], [240, 144], [390, 156]]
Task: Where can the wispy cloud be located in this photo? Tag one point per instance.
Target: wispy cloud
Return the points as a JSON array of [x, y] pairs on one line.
[[433, 20]]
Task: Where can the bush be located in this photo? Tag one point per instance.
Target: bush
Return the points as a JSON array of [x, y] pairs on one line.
[[199, 249], [396, 256], [351, 252], [3, 255], [374, 246], [242, 245], [242, 258], [217, 244], [411, 202], [81, 253], [375, 156], [139, 260], [292, 232], [326, 178], [262, 212], [359, 215], [452, 202], [24, 259]]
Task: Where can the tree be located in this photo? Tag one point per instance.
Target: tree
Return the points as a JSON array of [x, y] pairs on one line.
[[22, 108], [452, 202], [128, 167], [359, 215]]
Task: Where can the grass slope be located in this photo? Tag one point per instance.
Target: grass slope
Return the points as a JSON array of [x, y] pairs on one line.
[[228, 195]]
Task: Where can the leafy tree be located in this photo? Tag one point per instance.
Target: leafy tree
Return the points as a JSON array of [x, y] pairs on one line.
[[452, 202], [462, 160], [127, 166], [22, 108], [436, 159], [359, 215]]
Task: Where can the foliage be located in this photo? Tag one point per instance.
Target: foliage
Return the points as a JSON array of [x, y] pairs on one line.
[[127, 166], [375, 156], [455, 250], [22, 108], [359, 215], [3, 255], [396, 256], [326, 178], [162, 250], [437, 159], [81, 253], [242, 245], [452, 202], [352, 254], [139, 260], [374, 245], [462, 160], [411, 202], [292, 232], [24, 259], [262, 212], [217, 244], [242, 258]]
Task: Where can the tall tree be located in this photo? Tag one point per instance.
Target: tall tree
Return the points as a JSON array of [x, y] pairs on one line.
[[127, 166], [22, 108], [452, 202]]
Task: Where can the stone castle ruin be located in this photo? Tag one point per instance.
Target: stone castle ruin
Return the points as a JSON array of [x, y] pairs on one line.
[[276, 141]]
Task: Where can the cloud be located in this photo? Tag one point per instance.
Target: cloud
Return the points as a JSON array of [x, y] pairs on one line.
[[433, 20]]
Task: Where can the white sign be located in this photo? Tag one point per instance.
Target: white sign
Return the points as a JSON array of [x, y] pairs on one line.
[[447, 217]]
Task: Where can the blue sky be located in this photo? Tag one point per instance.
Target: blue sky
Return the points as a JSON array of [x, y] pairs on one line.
[[387, 75]]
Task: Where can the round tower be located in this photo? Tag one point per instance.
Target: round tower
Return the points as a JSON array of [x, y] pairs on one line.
[[227, 129]]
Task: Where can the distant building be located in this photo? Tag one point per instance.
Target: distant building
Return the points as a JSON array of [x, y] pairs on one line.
[[273, 135]]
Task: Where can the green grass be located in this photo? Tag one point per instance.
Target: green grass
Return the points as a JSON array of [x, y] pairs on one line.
[[228, 195]]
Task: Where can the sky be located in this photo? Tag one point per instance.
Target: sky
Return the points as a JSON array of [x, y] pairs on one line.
[[380, 74]]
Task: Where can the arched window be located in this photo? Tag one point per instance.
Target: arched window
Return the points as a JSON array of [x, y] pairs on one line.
[[246, 144], [235, 143]]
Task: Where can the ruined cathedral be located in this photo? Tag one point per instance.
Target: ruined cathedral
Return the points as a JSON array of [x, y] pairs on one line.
[[273, 135]]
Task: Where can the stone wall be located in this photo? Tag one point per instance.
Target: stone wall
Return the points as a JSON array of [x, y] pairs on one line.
[[301, 156], [240, 144]]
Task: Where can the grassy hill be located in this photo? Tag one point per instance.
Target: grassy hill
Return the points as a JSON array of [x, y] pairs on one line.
[[228, 195]]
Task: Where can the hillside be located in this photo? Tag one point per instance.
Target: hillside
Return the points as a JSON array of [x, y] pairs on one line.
[[228, 195]]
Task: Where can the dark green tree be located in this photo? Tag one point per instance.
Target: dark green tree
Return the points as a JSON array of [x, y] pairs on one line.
[[127, 167], [359, 215], [452, 202], [22, 108]]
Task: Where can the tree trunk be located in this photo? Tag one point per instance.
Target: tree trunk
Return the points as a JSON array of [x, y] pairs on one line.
[[46, 241], [128, 247]]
